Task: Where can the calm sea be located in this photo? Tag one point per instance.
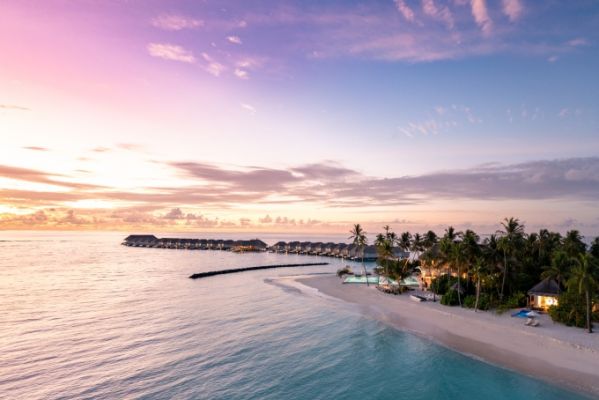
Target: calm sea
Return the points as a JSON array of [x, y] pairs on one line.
[[83, 317]]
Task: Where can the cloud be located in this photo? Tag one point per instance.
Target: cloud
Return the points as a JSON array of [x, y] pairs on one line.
[[173, 22], [513, 9], [324, 171], [405, 10], [481, 16], [100, 149], [248, 107], [241, 74], [175, 213], [234, 39], [552, 59], [245, 221], [578, 42], [564, 112], [130, 146], [36, 148], [212, 66], [439, 13], [13, 107], [170, 52], [324, 186], [266, 220], [575, 178], [428, 127]]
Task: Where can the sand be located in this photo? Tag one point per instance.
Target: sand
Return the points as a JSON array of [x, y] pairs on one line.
[[562, 355]]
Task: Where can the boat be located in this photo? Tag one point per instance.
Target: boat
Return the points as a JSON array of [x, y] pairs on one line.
[[417, 298]]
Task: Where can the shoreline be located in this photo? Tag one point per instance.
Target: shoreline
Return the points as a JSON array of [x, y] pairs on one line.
[[552, 352]]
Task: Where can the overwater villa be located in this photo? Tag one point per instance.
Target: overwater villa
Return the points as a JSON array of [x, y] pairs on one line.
[[305, 247], [317, 248], [368, 253], [544, 294], [329, 248], [279, 247], [295, 247]]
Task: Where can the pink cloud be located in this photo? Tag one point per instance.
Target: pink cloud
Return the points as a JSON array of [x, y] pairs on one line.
[[405, 10], [513, 9], [440, 13], [170, 52], [172, 22], [481, 16]]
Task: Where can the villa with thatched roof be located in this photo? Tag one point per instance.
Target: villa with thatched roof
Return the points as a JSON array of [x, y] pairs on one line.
[[544, 294]]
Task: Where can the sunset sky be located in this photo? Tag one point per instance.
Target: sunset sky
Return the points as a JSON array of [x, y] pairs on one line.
[[156, 115]]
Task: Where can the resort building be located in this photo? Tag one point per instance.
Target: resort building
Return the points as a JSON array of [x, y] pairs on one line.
[[279, 247], [305, 247], [544, 294]]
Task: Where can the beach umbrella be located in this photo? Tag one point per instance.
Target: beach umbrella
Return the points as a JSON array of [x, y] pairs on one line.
[[533, 314]]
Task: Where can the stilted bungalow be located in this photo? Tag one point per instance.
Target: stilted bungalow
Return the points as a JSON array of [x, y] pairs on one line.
[[370, 253], [338, 249], [295, 247], [317, 248], [279, 247], [305, 247], [140, 240], [329, 248], [350, 251]]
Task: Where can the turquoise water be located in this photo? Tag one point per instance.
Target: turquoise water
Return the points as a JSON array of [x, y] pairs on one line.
[[83, 317], [361, 279]]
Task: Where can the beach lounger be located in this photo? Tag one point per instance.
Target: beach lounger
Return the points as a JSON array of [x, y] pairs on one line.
[[535, 323], [529, 321]]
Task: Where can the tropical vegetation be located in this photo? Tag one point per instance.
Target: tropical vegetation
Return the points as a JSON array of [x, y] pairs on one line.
[[497, 270]]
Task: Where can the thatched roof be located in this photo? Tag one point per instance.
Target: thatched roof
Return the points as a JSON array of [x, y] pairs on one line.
[[547, 287], [137, 238]]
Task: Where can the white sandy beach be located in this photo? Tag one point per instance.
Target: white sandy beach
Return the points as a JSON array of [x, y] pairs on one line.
[[563, 355]]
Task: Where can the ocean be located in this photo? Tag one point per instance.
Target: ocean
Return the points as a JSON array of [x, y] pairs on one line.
[[82, 317]]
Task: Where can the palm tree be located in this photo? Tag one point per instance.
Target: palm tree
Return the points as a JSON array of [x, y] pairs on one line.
[[451, 234], [594, 250], [493, 257], [405, 244], [471, 250], [573, 244], [417, 244], [358, 236], [512, 233], [430, 239], [385, 252], [479, 271], [559, 268], [457, 259], [585, 277], [431, 258], [380, 239]]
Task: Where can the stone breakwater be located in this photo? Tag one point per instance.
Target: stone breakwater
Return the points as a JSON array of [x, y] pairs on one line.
[[235, 270]]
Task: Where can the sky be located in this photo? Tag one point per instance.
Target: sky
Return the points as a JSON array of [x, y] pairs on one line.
[[308, 116]]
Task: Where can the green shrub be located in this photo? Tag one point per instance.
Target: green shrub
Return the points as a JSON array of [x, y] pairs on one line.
[[483, 301], [441, 284], [469, 301], [450, 298], [571, 310]]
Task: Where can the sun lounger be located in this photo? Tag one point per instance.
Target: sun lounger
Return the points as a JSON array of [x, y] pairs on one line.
[[535, 323], [529, 321]]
